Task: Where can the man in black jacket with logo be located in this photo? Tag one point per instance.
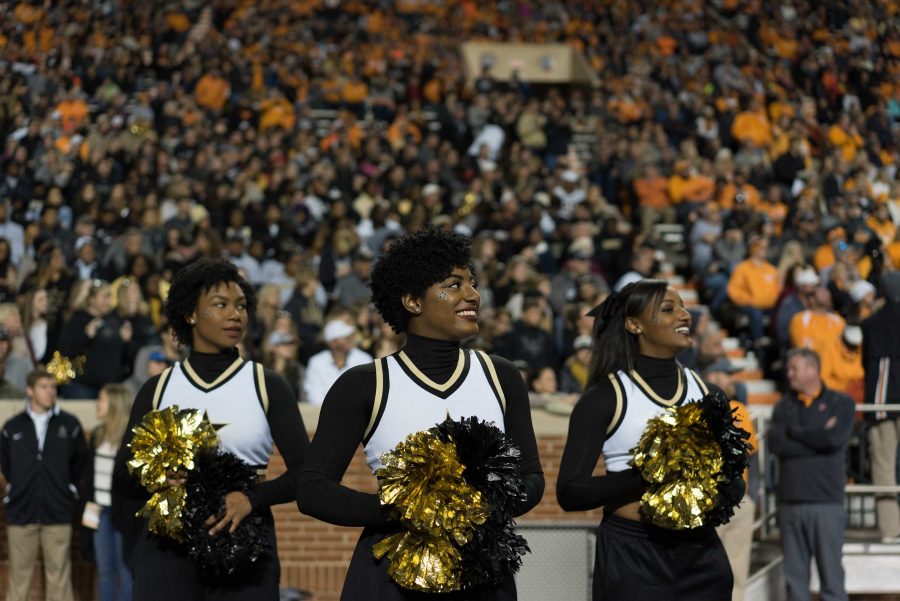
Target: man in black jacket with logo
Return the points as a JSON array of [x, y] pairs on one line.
[[810, 430], [42, 455]]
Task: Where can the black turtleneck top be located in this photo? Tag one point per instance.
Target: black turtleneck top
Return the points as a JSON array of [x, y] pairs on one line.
[[285, 423], [345, 415], [577, 489]]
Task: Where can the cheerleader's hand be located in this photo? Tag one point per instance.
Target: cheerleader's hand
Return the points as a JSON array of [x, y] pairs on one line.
[[237, 507], [175, 477]]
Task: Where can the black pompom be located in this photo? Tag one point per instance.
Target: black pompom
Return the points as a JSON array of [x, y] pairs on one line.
[[719, 417], [216, 474], [491, 463]]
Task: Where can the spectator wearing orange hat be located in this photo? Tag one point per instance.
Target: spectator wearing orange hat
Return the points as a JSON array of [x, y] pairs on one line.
[[754, 286]]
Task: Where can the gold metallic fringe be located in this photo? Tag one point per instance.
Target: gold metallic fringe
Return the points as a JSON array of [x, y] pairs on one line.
[[167, 440], [681, 459], [422, 479], [63, 369]]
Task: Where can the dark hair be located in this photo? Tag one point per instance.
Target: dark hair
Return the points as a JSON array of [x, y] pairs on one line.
[[615, 348], [200, 277], [411, 265]]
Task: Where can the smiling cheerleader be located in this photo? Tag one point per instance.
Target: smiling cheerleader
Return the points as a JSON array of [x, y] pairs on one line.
[[423, 286], [634, 378]]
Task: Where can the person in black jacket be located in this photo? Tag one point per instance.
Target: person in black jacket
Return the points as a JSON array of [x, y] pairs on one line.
[[209, 307], [92, 333], [423, 287], [42, 455], [881, 361], [810, 430]]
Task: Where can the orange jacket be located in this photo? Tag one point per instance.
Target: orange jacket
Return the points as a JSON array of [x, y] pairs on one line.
[[752, 128], [816, 330], [652, 192], [842, 369], [754, 284]]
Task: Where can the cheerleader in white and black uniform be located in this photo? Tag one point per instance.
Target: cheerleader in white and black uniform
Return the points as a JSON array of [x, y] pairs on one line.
[[209, 306], [423, 286], [634, 377]]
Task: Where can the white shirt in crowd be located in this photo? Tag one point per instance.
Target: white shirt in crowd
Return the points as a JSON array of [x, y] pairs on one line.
[[322, 372]]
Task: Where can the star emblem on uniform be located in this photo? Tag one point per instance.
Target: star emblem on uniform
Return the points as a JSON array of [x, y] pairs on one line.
[[215, 426]]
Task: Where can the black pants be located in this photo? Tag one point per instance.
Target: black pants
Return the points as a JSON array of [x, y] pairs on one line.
[[640, 562], [368, 579], [164, 572]]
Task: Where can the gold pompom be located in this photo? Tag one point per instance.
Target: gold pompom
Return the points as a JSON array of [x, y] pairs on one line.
[[421, 562], [167, 439], [681, 459], [422, 479], [63, 369]]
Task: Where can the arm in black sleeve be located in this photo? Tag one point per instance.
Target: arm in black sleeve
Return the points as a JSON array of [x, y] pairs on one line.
[[124, 483], [342, 424], [824, 439], [73, 339], [577, 489], [517, 422], [779, 442], [289, 434]]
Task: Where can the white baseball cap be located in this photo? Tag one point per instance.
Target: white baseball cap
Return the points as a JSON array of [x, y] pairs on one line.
[[337, 328]]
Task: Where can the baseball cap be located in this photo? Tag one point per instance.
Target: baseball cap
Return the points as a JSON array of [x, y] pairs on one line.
[[807, 277], [722, 365], [83, 241], [276, 338], [158, 356], [583, 341], [853, 335], [860, 289], [337, 328]]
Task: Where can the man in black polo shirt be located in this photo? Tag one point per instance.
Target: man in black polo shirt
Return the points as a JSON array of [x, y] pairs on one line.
[[811, 426]]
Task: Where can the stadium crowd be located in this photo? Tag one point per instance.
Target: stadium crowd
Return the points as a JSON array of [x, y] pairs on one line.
[[138, 137]]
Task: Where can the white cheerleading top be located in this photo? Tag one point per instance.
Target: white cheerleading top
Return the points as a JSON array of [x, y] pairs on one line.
[[407, 401], [235, 403], [636, 404]]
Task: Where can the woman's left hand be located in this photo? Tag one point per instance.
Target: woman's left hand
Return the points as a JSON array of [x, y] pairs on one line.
[[237, 507]]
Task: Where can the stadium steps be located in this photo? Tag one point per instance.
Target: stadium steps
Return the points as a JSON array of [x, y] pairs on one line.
[[870, 566]]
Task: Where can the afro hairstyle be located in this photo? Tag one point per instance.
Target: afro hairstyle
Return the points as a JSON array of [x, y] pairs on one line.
[[196, 278], [412, 264]]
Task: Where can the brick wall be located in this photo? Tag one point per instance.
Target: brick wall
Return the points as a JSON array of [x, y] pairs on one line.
[[314, 555]]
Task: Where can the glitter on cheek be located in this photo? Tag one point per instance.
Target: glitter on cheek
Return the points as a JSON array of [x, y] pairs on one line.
[[442, 295], [208, 313]]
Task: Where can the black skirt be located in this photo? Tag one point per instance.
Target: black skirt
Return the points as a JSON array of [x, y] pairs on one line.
[[640, 562], [163, 571], [367, 578]]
